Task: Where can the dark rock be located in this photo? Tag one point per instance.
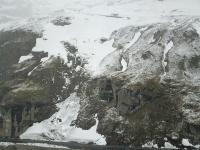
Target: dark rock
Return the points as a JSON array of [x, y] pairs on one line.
[[13, 45], [28, 90], [61, 21]]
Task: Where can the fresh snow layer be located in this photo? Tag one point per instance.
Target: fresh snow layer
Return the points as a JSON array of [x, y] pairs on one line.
[[58, 128]]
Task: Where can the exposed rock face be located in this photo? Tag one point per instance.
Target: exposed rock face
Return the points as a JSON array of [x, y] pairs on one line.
[[14, 44], [29, 89], [61, 21], [157, 95]]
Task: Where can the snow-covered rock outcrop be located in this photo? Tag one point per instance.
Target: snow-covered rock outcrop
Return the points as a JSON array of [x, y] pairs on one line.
[[157, 95]]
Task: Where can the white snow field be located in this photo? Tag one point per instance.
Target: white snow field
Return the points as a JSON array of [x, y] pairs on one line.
[[58, 128], [23, 58], [93, 19]]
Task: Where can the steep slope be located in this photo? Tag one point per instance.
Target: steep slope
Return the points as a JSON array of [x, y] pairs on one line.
[[117, 77]]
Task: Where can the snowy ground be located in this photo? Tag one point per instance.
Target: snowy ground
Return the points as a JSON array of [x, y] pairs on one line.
[[58, 128]]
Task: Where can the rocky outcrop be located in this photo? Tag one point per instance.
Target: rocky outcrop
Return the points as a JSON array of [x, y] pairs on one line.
[[156, 97], [61, 21], [29, 86], [28, 89], [13, 45]]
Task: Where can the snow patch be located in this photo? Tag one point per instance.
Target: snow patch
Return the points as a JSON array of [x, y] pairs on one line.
[[168, 47], [23, 58], [51, 41], [85, 40], [124, 64], [197, 146], [169, 146], [150, 144], [186, 142], [33, 70], [67, 81], [58, 126]]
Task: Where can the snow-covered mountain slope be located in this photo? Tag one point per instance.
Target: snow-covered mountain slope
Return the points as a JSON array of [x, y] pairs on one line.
[[109, 36], [93, 20]]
